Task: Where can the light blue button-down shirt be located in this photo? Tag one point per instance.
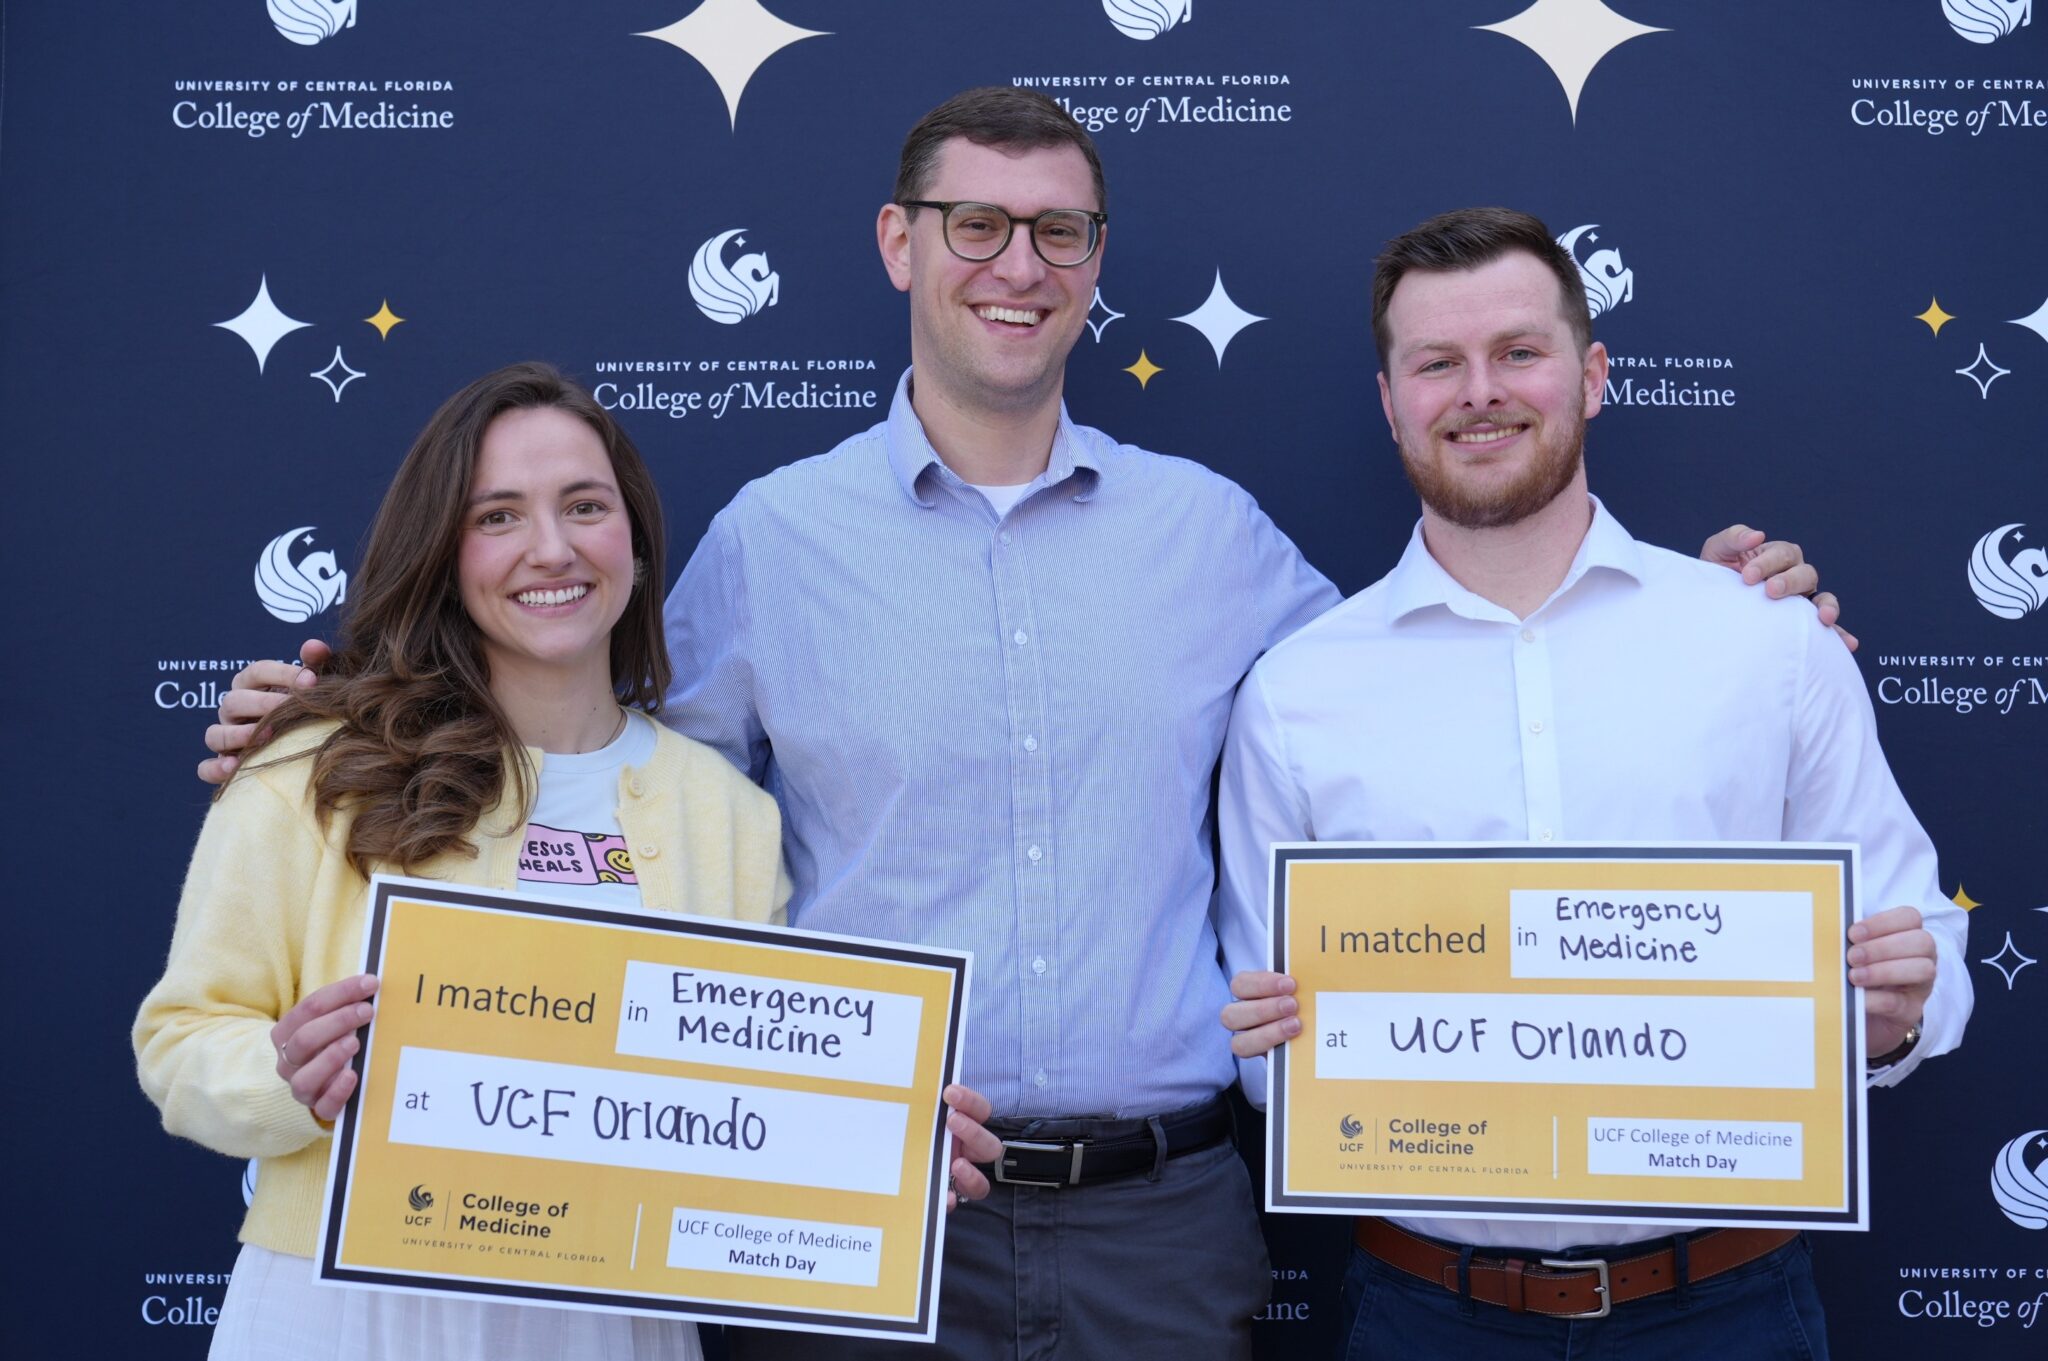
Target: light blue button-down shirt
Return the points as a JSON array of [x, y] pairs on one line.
[[999, 733]]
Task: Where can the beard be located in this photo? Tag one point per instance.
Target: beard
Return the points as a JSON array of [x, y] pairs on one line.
[[1468, 505]]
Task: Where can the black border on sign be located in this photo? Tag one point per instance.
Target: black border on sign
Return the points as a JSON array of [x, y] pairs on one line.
[[1843, 858], [677, 1306]]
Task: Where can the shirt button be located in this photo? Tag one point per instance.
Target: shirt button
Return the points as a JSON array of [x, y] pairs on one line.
[[1020, 637], [1031, 744], [1545, 834], [1034, 855], [1038, 965], [1528, 635], [1537, 726], [1004, 538], [633, 787], [1038, 1078], [648, 850]]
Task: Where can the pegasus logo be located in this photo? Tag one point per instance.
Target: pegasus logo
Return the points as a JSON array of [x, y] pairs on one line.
[[1986, 21], [729, 294], [296, 591], [2016, 1181], [307, 22], [2010, 587], [1608, 284], [420, 1198], [1147, 19], [1349, 1127]]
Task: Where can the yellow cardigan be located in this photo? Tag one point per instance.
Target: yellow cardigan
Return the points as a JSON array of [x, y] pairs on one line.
[[272, 910]]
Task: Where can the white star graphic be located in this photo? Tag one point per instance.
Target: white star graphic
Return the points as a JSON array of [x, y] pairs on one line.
[[1218, 319], [2011, 971], [326, 376], [731, 39], [1983, 382], [262, 324], [1571, 36], [2038, 322], [1109, 314]]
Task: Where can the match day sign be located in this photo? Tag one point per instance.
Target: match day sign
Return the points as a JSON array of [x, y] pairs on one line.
[[1630, 1033], [641, 1112]]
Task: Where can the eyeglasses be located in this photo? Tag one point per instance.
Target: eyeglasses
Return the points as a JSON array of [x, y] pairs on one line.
[[1063, 237]]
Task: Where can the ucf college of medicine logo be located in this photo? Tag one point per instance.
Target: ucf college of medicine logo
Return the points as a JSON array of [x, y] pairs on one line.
[[1986, 21], [296, 590], [1673, 378], [729, 293], [1608, 283], [2017, 1180], [307, 22], [1147, 19], [2008, 575]]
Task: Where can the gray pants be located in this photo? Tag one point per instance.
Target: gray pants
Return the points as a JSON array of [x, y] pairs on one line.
[[1171, 1269]]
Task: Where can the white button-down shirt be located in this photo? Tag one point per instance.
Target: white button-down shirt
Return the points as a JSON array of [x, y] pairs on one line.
[[1651, 698]]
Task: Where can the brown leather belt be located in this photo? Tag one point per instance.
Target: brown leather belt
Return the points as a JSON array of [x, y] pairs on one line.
[[1567, 1287]]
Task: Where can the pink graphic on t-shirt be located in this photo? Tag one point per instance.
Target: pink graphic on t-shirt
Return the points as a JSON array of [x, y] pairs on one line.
[[553, 856]]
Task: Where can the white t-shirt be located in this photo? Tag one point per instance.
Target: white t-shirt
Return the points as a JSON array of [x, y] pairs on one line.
[[574, 848], [1002, 498]]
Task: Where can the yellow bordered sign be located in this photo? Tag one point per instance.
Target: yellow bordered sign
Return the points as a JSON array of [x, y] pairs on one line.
[[648, 1113], [1618, 1032]]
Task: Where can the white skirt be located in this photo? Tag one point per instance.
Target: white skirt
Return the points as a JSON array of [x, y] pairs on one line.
[[275, 1312]]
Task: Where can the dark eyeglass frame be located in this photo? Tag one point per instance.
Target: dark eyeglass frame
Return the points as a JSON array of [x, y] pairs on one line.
[[1097, 220]]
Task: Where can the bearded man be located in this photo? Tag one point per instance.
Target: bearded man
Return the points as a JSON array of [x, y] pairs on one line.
[[1530, 673]]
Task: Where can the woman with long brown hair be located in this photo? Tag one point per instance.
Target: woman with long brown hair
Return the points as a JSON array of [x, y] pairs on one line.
[[491, 691]]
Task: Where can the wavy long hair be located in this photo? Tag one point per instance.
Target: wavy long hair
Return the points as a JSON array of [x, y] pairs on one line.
[[422, 751]]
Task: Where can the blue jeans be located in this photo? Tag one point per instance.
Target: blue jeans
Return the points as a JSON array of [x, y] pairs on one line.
[[1762, 1311]]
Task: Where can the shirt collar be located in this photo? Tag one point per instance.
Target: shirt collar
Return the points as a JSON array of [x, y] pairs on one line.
[[912, 458], [1419, 581]]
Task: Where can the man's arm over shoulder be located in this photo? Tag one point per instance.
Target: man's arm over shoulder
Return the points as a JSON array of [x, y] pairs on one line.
[[711, 696], [1841, 789], [1286, 591]]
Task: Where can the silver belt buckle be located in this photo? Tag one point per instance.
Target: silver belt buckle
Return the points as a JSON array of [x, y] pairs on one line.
[[1597, 1264], [1073, 1171]]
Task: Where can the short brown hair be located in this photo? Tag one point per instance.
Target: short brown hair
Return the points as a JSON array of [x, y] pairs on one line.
[[995, 116], [1466, 239]]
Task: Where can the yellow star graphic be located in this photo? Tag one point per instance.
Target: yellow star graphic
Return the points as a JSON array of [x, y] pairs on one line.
[[1571, 36], [1935, 319], [1143, 369], [1962, 899], [384, 319], [731, 39]]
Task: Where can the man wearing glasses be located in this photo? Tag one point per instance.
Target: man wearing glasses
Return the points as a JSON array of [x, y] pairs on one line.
[[983, 657]]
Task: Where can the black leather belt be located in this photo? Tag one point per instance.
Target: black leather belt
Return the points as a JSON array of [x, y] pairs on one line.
[[1080, 1162]]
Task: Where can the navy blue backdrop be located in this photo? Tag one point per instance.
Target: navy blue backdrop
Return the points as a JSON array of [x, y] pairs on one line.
[[249, 244]]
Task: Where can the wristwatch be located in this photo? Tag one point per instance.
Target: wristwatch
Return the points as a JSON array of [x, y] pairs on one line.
[[1904, 1048]]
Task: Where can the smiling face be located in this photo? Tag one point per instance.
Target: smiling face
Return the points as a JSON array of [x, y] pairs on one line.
[[546, 560], [992, 335], [1487, 390]]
